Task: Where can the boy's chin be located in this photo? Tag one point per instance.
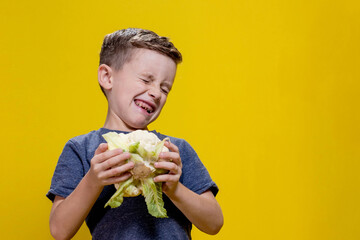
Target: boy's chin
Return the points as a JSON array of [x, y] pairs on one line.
[[140, 125]]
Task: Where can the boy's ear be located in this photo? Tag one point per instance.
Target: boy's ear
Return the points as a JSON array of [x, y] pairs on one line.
[[105, 77]]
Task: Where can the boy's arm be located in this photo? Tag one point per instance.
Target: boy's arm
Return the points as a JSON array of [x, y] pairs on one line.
[[68, 214], [201, 209]]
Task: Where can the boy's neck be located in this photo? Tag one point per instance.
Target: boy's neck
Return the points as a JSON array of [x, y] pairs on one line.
[[113, 122]]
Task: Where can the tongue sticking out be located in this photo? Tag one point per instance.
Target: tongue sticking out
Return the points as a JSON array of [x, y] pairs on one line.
[[144, 106]]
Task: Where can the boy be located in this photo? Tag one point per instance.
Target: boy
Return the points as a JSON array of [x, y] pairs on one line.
[[136, 73]]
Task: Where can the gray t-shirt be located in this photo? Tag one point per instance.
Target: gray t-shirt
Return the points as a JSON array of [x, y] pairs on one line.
[[131, 220]]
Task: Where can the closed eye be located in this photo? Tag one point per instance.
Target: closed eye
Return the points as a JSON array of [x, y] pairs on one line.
[[145, 80], [166, 91]]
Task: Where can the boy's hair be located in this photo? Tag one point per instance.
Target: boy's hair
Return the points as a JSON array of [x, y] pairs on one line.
[[118, 46]]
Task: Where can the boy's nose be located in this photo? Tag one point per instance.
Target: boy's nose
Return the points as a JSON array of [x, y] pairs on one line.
[[154, 93]]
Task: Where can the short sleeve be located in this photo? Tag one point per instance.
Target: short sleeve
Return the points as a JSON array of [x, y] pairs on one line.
[[68, 172], [194, 174]]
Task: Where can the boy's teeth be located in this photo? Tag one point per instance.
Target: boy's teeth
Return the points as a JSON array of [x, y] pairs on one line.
[[144, 105]]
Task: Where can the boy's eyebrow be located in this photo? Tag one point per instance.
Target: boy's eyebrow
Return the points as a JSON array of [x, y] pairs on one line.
[[149, 75]]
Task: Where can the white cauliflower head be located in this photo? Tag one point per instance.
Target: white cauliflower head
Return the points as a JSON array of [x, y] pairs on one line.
[[144, 148]]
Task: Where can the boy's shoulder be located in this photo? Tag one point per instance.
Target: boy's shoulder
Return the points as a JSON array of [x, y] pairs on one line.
[[86, 143], [84, 139]]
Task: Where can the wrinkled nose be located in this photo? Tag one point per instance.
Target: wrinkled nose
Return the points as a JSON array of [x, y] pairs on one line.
[[154, 93]]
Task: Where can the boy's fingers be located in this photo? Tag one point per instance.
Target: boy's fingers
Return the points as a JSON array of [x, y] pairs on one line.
[[172, 147], [118, 179], [173, 168], [101, 157], [170, 156], [166, 178], [114, 160], [101, 148], [117, 171]]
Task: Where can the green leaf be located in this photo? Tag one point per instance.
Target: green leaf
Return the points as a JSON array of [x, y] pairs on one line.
[[138, 149], [158, 148], [115, 140], [117, 199], [142, 152], [153, 197], [133, 147], [134, 157]]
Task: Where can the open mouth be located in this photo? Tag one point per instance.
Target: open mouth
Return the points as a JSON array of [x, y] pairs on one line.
[[144, 106]]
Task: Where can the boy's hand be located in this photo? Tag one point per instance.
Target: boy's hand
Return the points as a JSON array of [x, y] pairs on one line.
[[173, 164], [109, 166]]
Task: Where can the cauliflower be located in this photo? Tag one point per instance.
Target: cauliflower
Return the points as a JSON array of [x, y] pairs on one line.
[[144, 148]]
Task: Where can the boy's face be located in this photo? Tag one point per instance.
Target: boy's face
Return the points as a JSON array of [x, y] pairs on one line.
[[139, 89]]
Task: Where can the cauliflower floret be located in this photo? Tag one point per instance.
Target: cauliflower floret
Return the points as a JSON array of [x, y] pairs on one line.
[[148, 140]]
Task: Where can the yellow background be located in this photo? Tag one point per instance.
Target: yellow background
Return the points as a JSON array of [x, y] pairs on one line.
[[268, 95]]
